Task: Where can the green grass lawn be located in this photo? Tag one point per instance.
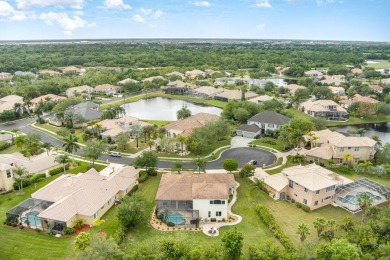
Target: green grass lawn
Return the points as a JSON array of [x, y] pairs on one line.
[[383, 64], [269, 142], [158, 123], [11, 149], [351, 174], [356, 120]]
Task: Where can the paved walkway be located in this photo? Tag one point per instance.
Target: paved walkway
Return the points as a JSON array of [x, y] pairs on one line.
[[110, 169], [239, 141], [217, 225]]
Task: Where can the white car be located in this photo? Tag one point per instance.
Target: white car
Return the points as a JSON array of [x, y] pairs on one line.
[[297, 148], [115, 154]]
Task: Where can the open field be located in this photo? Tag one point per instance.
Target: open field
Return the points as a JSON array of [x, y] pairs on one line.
[[382, 64]]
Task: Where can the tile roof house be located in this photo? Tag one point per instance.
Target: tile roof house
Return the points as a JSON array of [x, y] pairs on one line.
[[260, 99], [126, 81], [108, 89], [205, 195], [80, 89], [260, 123], [376, 88], [73, 69], [334, 146], [311, 185], [335, 82], [205, 92], [49, 97], [293, 88], [226, 95], [187, 125], [175, 74], [50, 72], [192, 74], [150, 79], [346, 102], [8, 102], [35, 164], [313, 73], [178, 87], [337, 90], [229, 81], [5, 76], [87, 196], [113, 127], [356, 71], [327, 109], [87, 110]]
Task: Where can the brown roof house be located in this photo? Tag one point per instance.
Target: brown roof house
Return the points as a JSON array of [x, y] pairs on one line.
[[113, 127], [178, 87], [327, 109], [346, 102], [227, 95], [205, 92], [108, 89], [311, 185], [73, 70], [192, 74], [85, 89], [327, 145], [48, 97], [8, 102], [292, 88], [187, 125], [376, 88], [189, 198], [86, 196]]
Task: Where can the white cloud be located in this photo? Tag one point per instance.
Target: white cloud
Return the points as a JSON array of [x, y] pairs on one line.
[[158, 14], [116, 4], [28, 4], [260, 26], [145, 11], [201, 3], [262, 3], [6, 10], [138, 18], [68, 24]]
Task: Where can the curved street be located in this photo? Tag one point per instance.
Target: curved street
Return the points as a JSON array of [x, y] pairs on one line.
[[241, 154]]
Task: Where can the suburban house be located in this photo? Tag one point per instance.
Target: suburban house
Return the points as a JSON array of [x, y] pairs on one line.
[[73, 70], [175, 74], [376, 88], [314, 73], [337, 90], [150, 79], [8, 102], [327, 109], [210, 72], [261, 83], [6, 177], [229, 81], [311, 185], [108, 89], [195, 197], [25, 74], [178, 87], [205, 92], [41, 163], [260, 99], [227, 95], [386, 81], [292, 88], [48, 97], [70, 92], [113, 127], [49, 72], [260, 123], [7, 138], [327, 145], [346, 102], [127, 81], [86, 196], [193, 74], [330, 81], [5, 76], [356, 71], [187, 125], [88, 110]]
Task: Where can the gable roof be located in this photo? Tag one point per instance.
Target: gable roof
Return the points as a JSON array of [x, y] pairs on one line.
[[249, 128], [88, 110], [106, 88], [235, 94], [43, 98], [188, 124], [270, 117], [189, 186]]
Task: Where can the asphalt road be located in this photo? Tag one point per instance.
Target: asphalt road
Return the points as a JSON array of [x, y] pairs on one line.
[[241, 154]]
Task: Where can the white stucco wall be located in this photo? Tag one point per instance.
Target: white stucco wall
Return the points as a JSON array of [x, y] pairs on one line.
[[204, 207]]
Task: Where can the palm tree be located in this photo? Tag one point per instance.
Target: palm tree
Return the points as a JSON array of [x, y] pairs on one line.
[[64, 159], [20, 141], [365, 202], [39, 111], [284, 137], [150, 143], [119, 111], [56, 149], [181, 139], [348, 158], [313, 139], [71, 145], [47, 147], [361, 131], [303, 231], [21, 173], [378, 141], [319, 225], [18, 108], [331, 224], [97, 128], [330, 162], [135, 131], [15, 131], [200, 164], [27, 105]]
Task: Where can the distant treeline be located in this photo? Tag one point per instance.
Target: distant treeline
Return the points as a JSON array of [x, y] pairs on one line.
[[196, 55]]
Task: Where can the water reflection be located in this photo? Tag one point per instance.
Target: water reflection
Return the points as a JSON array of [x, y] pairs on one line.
[[382, 130]]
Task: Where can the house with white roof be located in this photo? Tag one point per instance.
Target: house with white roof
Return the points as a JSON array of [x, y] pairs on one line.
[[327, 109], [311, 185], [227, 95], [8, 102], [193, 74], [205, 92], [85, 89], [192, 197], [337, 90], [260, 99], [292, 88]]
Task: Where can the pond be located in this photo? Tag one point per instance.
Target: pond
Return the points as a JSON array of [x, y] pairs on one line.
[[382, 130], [165, 109]]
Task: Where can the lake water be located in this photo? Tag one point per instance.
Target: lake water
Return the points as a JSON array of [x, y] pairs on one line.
[[382, 130], [164, 108]]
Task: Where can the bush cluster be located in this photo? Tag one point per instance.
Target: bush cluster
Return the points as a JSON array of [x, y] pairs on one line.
[[151, 172], [58, 170], [302, 206], [3, 145], [34, 178], [266, 141], [269, 220], [143, 176], [69, 231]]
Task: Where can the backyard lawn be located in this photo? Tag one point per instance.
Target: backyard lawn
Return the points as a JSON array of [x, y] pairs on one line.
[[269, 142], [11, 149]]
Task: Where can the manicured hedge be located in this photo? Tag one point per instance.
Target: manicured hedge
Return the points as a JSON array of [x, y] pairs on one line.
[[269, 220], [58, 170], [302, 206], [34, 178], [3, 145], [143, 176]]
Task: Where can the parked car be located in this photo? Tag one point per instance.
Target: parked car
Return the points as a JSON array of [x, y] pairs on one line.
[[253, 162], [115, 154], [297, 148]]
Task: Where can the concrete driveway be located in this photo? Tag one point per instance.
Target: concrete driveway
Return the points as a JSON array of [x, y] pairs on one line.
[[239, 141]]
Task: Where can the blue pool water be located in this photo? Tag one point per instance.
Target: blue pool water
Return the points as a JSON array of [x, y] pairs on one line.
[[33, 218], [353, 199], [175, 217]]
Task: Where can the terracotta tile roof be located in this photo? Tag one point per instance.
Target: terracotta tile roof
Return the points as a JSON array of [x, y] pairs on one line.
[[376, 87], [356, 71], [235, 94], [43, 98], [152, 78], [36, 164], [49, 72], [293, 88], [188, 124], [106, 88], [189, 186], [206, 90]]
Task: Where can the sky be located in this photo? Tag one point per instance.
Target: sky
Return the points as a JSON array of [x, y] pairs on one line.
[[344, 20]]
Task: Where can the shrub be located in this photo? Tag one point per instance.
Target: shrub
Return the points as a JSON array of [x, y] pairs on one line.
[[69, 231], [78, 223], [151, 172], [298, 204], [119, 235], [134, 189], [58, 170], [98, 222], [3, 145], [143, 176], [305, 208]]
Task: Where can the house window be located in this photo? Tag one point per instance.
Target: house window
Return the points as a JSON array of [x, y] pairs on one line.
[[340, 160], [8, 174], [216, 202], [329, 197], [218, 213], [305, 201], [223, 202], [211, 202], [330, 188], [318, 192], [209, 214], [291, 184], [306, 190], [316, 203], [356, 149], [95, 215], [341, 149]]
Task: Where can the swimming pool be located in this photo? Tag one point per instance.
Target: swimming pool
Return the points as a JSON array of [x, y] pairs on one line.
[[353, 199], [176, 218], [33, 218]]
